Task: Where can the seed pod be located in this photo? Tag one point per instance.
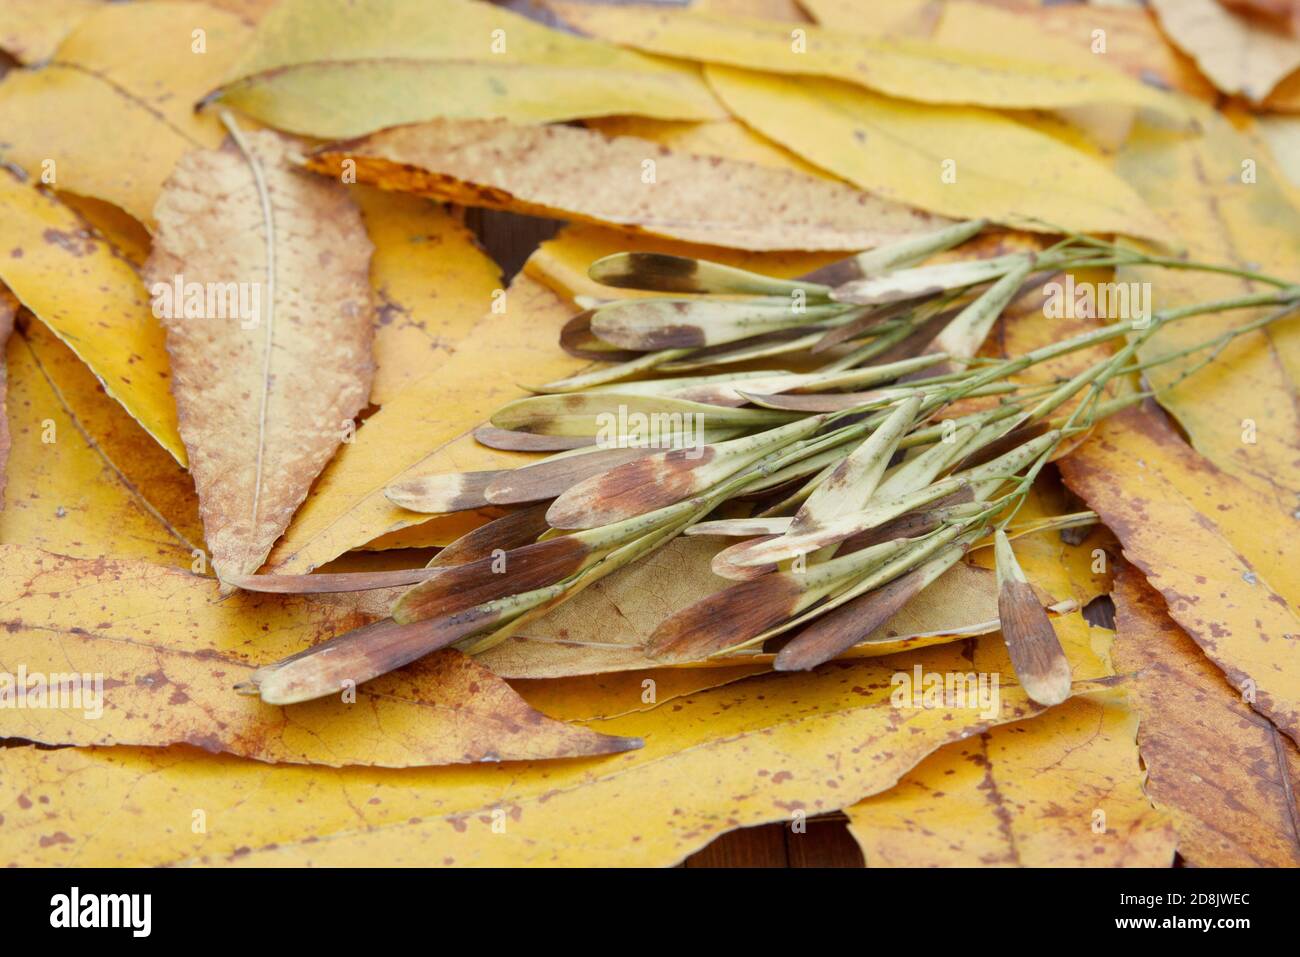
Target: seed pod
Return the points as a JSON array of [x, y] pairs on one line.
[[602, 414], [967, 331], [1036, 653], [735, 615], [879, 261], [925, 280], [512, 530], [666, 477], [375, 649], [660, 272], [651, 324], [834, 633], [851, 484]]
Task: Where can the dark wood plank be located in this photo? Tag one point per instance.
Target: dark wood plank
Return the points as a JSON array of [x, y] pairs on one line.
[[509, 238], [825, 843], [747, 847]]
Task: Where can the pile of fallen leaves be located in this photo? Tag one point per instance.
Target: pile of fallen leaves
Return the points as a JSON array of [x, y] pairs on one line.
[[263, 390]]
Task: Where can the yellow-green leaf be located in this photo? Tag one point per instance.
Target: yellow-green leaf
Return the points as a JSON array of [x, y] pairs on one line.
[[911, 69], [336, 68], [1087, 36], [960, 161]]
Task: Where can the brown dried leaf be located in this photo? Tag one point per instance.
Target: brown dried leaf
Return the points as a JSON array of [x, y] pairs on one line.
[[1221, 553], [1238, 54], [262, 408], [1226, 776], [578, 174]]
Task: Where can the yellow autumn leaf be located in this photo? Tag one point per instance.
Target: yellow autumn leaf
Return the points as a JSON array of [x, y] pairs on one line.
[[250, 11], [572, 173], [907, 68], [884, 18], [1285, 97], [1084, 37], [337, 68], [959, 161], [431, 279], [1088, 36], [1062, 790], [126, 234], [1248, 517], [92, 300], [763, 749], [154, 658], [31, 30], [1282, 134], [1197, 736], [130, 74], [615, 694], [1226, 203], [786, 11], [432, 282], [91, 482], [1209, 544]]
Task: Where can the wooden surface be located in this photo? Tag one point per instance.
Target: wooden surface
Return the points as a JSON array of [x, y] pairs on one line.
[[825, 843]]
